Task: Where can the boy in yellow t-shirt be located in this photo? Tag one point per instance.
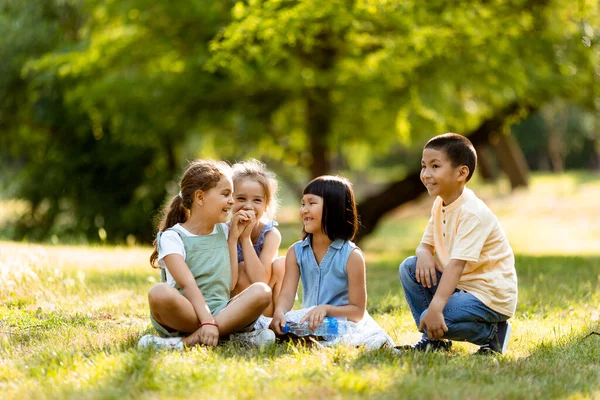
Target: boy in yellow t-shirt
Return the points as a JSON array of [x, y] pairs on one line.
[[468, 290]]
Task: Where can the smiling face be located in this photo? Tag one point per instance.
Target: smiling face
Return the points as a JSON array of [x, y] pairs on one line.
[[218, 200], [311, 213], [440, 177], [250, 195]]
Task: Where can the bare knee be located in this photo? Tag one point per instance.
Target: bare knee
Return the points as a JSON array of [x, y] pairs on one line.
[[159, 295], [260, 293]]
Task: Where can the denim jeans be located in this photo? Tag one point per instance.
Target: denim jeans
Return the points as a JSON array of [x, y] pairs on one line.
[[467, 318]]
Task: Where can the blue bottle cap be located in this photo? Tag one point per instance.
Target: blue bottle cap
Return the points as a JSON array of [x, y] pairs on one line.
[[286, 328]]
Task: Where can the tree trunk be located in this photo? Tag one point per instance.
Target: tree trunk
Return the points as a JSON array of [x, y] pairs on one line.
[[485, 166], [594, 159], [554, 151], [319, 109], [318, 126], [556, 120], [374, 207], [512, 160]]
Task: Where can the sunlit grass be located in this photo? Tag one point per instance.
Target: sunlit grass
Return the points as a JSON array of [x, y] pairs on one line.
[[71, 332], [70, 318]]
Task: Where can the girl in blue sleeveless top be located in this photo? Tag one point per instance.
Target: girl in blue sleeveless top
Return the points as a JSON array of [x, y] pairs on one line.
[[331, 267], [255, 191], [197, 253]]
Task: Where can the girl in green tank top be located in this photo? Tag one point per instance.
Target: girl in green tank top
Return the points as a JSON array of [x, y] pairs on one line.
[[197, 254]]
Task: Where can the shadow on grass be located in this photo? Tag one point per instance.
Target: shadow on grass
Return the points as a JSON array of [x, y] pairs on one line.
[[27, 327], [571, 366], [552, 280], [589, 177], [545, 282], [108, 281], [133, 377]]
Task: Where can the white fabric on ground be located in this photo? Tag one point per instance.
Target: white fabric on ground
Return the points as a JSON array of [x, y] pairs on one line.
[[366, 332]]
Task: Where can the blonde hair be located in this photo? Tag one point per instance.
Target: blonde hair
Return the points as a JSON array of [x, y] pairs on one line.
[[256, 170], [199, 175]]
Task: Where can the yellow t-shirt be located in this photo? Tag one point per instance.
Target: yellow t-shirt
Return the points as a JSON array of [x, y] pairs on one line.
[[468, 230]]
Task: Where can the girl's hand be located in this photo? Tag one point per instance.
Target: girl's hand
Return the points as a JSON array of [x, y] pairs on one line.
[[250, 224], [315, 316], [209, 335], [278, 322], [234, 227], [238, 224]]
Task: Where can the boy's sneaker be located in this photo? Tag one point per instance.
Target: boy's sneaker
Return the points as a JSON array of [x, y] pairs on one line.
[[173, 343], [427, 345], [259, 337], [499, 342]]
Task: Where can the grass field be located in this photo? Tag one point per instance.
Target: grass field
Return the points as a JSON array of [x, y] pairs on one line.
[[70, 318]]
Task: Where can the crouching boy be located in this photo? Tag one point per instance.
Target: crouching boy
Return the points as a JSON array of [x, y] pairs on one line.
[[462, 283]]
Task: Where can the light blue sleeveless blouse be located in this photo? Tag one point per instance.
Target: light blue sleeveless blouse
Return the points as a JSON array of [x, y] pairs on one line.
[[325, 283]]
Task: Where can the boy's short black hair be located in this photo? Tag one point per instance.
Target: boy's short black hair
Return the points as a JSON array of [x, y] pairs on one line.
[[340, 218], [457, 148]]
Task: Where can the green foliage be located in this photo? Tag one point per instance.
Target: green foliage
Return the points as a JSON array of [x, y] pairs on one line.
[[400, 71], [101, 102], [103, 115]]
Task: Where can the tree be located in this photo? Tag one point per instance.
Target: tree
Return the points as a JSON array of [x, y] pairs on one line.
[[131, 89], [102, 103], [356, 69]]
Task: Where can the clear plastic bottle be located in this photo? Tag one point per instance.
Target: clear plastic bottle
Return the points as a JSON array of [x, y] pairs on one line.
[[330, 328]]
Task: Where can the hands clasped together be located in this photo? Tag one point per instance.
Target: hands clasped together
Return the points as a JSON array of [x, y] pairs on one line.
[[242, 223]]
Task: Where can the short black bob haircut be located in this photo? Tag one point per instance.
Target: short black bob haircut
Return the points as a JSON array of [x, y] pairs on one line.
[[457, 148], [340, 218]]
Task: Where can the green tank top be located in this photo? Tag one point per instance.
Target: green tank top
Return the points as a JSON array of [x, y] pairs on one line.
[[207, 257]]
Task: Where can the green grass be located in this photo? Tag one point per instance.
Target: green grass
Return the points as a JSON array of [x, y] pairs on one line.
[[70, 318]]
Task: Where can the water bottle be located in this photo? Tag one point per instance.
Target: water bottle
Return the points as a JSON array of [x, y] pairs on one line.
[[330, 328]]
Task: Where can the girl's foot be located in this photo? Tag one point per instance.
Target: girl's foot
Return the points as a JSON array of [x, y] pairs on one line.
[[259, 337], [174, 343]]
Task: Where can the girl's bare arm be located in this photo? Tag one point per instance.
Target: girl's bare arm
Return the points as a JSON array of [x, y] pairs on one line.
[[184, 278]]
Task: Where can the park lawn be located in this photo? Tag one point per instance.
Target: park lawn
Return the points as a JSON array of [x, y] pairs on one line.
[[70, 318]]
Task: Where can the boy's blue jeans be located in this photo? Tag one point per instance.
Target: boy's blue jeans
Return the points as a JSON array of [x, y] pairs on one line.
[[467, 318]]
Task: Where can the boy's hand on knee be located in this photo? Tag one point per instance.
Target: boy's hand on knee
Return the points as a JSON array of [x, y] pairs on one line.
[[435, 324], [426, 270]]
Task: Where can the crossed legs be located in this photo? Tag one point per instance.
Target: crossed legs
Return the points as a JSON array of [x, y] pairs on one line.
[[173, 311]]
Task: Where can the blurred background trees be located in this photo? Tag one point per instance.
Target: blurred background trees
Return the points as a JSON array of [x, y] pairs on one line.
[[102, 102]]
